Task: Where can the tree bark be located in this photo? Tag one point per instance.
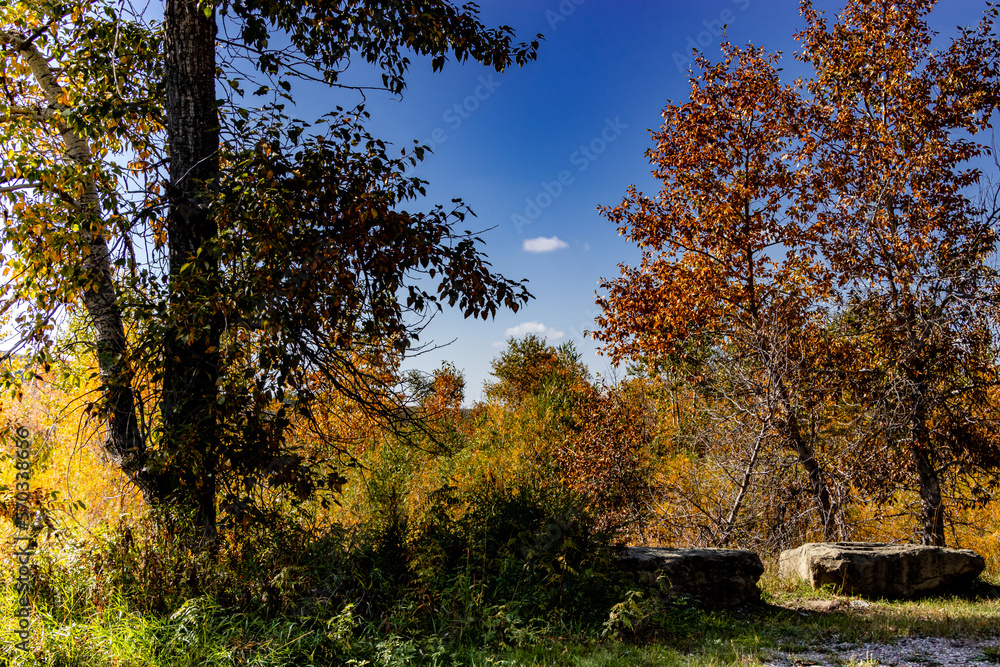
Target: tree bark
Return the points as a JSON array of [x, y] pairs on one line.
[[932, 505], [916, 338], [806, 457], [124, 441], [928, 480], [191, 364]]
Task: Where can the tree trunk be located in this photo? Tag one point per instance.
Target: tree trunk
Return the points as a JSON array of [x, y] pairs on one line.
[[931, 503], [734, 512], [928, 480], [191, 364], [806, 457], [920, 397], [124, 441]]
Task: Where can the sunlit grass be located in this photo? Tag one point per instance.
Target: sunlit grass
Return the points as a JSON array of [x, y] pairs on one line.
[[75, 632]]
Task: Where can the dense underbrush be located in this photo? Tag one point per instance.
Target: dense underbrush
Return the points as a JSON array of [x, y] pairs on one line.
[[512, 566], [484, 536]]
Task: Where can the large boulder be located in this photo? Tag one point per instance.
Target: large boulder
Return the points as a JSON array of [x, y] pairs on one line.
[[881, 570], [715, 577]]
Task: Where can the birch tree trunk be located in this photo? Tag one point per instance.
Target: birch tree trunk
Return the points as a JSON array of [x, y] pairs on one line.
[[124, 441]]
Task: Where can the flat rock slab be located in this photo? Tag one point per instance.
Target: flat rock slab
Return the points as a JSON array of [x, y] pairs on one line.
[[716, 577], [881, 570]]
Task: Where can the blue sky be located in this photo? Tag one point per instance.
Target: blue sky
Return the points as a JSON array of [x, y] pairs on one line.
[[534, 151]]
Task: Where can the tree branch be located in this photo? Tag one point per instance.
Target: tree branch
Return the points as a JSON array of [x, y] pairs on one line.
[[40, 114], [20, 186]]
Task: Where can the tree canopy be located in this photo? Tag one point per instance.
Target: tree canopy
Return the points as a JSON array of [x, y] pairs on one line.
[[229, 259], [848, 198]]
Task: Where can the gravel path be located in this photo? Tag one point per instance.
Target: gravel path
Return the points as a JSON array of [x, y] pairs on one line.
[[916, 651]]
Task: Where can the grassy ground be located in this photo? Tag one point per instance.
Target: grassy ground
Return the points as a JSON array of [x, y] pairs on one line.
[[792, 619]]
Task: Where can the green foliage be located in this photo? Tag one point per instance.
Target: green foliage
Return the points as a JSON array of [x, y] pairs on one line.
[[531, 367], [498, 567], [325, 36], [197, 633], [534, 547], [294, 268], [484, 559], [641, 616]]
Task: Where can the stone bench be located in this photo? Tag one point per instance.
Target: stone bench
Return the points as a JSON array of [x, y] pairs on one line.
[[881, 570], [715, 577]]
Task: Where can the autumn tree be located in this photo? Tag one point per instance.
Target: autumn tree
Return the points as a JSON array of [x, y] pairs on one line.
[[606, 457], [532, 402], [69, 103], [279, 254], [580, 435], [729, 279], [896, 147]]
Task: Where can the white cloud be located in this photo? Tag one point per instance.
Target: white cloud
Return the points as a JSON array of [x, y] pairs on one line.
[[534, 328], [544, 244]]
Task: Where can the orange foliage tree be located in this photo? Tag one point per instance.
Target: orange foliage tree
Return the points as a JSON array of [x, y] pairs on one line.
[[894, 146], [606, 458], [823, 241], [729, 277]]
